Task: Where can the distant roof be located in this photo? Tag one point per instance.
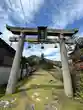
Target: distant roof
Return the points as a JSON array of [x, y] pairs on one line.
[[3, 44]]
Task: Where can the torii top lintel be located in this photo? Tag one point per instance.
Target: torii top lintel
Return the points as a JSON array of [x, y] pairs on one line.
[[34, 31]]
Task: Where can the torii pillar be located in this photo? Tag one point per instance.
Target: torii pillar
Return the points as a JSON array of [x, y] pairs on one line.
[[65, 68], [15, 66]]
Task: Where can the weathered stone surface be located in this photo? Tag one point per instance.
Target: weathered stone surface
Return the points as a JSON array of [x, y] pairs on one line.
[[8, 104]]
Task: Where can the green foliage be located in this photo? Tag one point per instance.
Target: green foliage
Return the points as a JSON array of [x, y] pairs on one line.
[[33, 60], [42, 56], [81, 51], [43, 62], [45, 65]]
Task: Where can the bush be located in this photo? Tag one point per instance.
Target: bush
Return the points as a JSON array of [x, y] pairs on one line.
[[79, 92]]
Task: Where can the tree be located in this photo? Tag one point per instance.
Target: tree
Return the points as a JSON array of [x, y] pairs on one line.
[[79, 41], [42, 56]]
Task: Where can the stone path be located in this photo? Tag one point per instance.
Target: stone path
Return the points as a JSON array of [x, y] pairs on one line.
[[42, 92], [41, 85]]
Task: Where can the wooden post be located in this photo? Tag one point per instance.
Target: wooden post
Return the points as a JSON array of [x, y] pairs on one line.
[[65, 68], [15, 67]]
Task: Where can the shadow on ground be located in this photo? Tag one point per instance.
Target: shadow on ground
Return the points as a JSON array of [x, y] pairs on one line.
[[2, 90], [41, 86]]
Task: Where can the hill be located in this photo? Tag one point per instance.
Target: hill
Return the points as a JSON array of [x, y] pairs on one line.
[[35, 60]]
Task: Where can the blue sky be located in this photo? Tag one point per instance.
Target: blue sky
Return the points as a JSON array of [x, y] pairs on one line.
[[62, 14]]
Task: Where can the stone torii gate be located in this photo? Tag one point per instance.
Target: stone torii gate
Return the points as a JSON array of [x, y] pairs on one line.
[[22, 32]]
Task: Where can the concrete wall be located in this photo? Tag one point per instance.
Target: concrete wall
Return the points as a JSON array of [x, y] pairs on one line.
[[4, 74]]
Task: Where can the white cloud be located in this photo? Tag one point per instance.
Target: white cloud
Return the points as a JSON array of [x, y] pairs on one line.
[[30, 7], [68, 12], [51, 50], [6, 34], [79, 34], [50, 53], [55, 57], [11, 12], [29, 53]]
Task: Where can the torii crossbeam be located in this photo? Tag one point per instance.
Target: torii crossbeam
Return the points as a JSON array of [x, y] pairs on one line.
[[34, 31]]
